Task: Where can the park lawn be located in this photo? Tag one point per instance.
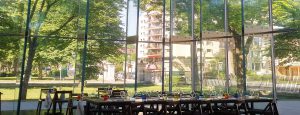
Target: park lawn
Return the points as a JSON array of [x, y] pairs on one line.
[[33, 93], [11, 94]]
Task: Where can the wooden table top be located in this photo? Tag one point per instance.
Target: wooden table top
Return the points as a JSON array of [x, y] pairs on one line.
[[158, 100]]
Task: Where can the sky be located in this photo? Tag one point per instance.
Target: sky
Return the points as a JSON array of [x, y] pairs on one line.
[[131, 19]]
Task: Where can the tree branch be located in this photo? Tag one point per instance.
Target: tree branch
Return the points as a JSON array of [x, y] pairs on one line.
[[51, 4], [63, 25], [248, 44], [33, 9], [40, 19]]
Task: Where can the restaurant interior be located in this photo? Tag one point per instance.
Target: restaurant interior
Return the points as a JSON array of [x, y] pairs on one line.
[[140, 57]]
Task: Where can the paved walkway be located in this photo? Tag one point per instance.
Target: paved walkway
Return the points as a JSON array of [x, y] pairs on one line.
[[285, 107], [289, 107]]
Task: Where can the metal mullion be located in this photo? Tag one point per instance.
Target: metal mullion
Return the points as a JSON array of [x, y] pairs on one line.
[[243, 47], [27, 34], [136, 47], [170, 46], [226, 46], [201, 50], [126, 46], [193, 52], [163, 47], [84, 52], [274, 89]]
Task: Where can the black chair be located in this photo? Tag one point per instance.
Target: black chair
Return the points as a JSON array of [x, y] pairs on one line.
[[102, 90], [195, 107], [149, 106], [75, 97], [59, 99], [42, 98], [270, 109], [108, 107], [173, 107], [118, 93], [226, 107], [153, 107], [116, 108]]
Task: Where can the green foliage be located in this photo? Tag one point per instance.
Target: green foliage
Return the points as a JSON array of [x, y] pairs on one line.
[[251, 75], [176, 81], [286, 14], [56, 33]]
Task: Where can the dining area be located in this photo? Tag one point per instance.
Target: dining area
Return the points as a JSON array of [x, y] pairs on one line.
[[112, 101]]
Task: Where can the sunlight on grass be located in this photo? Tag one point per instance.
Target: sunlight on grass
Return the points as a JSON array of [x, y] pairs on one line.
[[34, 92]]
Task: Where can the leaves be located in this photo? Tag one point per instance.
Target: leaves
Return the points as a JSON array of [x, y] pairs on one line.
[[286, 14], [57, 24]]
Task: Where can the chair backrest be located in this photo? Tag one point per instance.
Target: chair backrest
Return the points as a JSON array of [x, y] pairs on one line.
[[61, 95], [44, 92], [117, 93], [76, 95], [102, 90]]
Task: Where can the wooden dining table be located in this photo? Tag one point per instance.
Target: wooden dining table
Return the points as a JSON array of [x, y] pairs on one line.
[[154, 104], [110, 105], [129, 105]]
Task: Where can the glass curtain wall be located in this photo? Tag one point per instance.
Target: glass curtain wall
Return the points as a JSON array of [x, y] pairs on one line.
[[54, 32], [286, 18], [257, 47], [105, 53], [12, 26], [150, 45], [181, 44], [216, 46], [131, 36], [213, 47]]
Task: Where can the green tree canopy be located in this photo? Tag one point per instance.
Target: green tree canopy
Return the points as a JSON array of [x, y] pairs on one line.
[[57, 30]]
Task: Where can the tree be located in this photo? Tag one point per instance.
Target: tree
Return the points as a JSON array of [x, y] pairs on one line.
[[57, 29], [286, 15], [41, 17], [105, 32], [10, 29]]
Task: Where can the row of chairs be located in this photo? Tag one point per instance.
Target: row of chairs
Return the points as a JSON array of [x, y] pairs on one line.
[[178, 108], [157, 107], [187, 107], [59, 99], [65, 97], [114, 92]]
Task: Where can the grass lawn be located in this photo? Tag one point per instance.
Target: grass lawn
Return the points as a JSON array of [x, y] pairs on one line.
[[34, 92]]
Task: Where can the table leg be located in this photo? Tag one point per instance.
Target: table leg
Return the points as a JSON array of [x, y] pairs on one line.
[[88, 106], [275, 109], [54, 108]]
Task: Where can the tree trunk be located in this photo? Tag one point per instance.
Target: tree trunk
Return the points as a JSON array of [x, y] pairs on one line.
[[31, 54], [15, 66], [238, 57], [40, 69]]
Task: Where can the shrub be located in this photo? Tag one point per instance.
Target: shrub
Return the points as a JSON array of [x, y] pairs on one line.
[[6, 74]]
